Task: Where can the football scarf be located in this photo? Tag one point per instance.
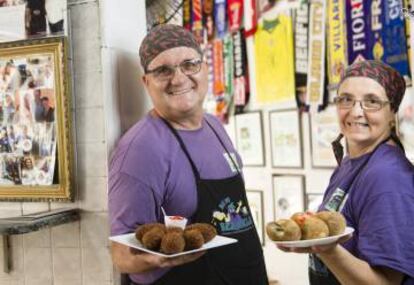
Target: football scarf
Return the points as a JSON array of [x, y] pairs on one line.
[[301, 26], [197, 20], [336, 48], [220, 18], [240, 70], [235, 12], [249, 17], [357, 23], [316, 69]]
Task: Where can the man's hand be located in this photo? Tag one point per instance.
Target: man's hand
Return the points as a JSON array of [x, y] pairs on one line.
[[163, 262]]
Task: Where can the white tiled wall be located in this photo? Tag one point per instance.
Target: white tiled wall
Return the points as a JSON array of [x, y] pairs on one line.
[[76, 253]]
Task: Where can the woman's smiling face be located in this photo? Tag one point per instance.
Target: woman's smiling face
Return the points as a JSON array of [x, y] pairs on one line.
[[364, 129]]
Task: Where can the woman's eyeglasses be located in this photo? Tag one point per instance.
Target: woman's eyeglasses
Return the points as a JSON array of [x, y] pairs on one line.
[[367, 104], [167, 72]]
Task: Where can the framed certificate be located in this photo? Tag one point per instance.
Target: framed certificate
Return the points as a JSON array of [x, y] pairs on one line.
[[255, 199], [288, 195], [324, 129], [286, 141], [249, 138], [406, 123]]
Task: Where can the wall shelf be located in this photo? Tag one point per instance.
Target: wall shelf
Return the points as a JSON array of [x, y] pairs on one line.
[[31, 223]]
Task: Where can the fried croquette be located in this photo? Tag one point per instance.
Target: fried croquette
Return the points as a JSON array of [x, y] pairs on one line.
[[300, 217], [174, 230], [152, 239], [141, 230], [172, 242], [283, 230], [314, 228], [193, 239], [207, 230], [335, 221], [311, 225]]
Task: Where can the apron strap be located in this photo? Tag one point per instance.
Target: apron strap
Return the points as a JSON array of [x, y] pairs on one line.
[[224, 146], [181, 143], [363, 165]]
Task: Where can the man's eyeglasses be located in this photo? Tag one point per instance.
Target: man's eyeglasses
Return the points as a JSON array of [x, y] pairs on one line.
[[367, 104], [167, 72]]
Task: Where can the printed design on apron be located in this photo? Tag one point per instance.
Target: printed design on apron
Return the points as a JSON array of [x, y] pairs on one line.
[[231, 217]]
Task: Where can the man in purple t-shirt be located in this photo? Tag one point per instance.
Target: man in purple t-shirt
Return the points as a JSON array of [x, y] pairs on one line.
[[180, 159]]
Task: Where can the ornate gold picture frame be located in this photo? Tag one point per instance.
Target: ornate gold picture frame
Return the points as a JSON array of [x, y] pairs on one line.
[[36, 155]]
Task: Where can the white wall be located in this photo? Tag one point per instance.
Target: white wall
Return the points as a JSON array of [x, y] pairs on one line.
[[123, 28], [287, 268], [108, 98]]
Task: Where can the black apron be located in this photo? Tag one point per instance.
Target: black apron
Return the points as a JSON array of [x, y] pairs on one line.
[[319, 274], [241, 263]]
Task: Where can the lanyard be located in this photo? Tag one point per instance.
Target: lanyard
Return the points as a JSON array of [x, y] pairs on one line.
[[338, 198]]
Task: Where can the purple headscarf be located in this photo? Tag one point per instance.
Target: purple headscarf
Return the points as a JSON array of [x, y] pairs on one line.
[[164, 37], [385, 75]]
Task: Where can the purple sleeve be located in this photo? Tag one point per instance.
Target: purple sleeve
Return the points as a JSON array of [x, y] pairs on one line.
[[130, 203], [386, 222]]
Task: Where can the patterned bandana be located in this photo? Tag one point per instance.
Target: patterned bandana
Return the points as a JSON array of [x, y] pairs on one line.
[[165, 37], [384, 74]]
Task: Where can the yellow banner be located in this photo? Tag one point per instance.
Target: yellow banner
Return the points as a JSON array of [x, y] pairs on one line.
[[336, 41], [275, 75], [316, 67]]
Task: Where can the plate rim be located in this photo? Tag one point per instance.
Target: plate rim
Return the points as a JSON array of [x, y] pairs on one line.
[[141, 248], [299, 243]]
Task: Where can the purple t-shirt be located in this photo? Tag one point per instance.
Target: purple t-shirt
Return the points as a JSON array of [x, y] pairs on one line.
[[148, 170], [380, 207]]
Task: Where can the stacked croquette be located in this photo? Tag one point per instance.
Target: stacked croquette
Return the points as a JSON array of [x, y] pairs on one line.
[[171, 240]]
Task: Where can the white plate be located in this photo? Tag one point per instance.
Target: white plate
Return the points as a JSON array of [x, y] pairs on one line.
[[131, 241], [312, 242]]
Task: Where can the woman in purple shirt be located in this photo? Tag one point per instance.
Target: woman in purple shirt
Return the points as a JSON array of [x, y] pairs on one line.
[[373, 185]]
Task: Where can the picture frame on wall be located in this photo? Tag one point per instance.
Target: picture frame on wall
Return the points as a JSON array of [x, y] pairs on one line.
[[22, 19], [313, 201], [35, 121], [288, 195], [405, 123], [255, 199], [286, 139], [249, 138], [324, 129]]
